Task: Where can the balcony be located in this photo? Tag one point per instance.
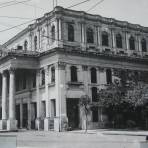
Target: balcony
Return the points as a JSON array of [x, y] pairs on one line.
[[75, 83]]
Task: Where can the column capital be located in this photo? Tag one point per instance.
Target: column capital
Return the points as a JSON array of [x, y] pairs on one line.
[[12, 70], [3, 73], [84, 67], [60, 65], [102, 69]]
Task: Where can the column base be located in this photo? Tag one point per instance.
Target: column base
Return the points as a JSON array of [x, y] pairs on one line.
[[3, 124], [38, 124], [11, 125], [46, 124], [61, 124]]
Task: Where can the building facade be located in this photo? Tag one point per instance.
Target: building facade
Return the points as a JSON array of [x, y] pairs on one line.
[[46, 68]]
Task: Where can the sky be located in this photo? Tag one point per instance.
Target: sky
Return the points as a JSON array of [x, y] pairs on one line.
[[133, 11]]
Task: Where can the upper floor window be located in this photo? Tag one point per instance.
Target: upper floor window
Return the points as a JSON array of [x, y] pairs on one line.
[[52, 74], [53, 33], [93, 75], [43, 77], [90, 35], [73, 74], [108, 76], [132, 43], [118, 41], [25, 45], [70, 33], [105, 40], [35, 43], [143, 45]]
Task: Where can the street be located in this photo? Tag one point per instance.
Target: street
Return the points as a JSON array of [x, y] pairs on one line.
[[75, 139]]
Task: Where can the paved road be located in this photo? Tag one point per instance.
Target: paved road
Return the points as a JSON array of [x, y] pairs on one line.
[[41, 139]]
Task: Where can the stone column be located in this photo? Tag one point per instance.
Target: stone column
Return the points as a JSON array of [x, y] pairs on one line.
[[83, 36], [113, 38], [47, 101], [57, 32], [47, 32], [12, 123], [60, 122], [60, 33], [38, 39], [38, 120], [137, 43], [4, 99], [126, 40], [99, 36]]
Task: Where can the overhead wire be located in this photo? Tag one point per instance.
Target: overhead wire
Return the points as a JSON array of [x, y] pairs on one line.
[[17, 26], [15, 3], [8, 25], [3, 3], [95, 5], [78, 4], [35, 19], [16, 17], [31, 5]]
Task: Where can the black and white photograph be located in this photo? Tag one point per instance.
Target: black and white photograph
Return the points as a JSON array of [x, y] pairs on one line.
[[73, 73]]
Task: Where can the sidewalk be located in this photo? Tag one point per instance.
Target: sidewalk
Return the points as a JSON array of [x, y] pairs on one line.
[[113, 132]]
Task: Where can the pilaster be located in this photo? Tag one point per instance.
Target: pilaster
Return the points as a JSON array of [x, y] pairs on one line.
[[47, 101]]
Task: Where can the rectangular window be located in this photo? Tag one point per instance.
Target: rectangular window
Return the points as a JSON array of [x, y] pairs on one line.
[[95, 115], [108, 76], [43, 77], [52, 75]]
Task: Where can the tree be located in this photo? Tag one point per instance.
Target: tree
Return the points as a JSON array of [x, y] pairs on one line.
[[112, 99], [124, 102], [85, 105]]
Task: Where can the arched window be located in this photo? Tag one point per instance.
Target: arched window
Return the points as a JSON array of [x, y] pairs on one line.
[[132, 43], [105, 40], [94, 94], [90, 35], [53, 33], [143, 45], [73, 74], [108, 76], [93, 75], [35, 43], [118, 41], [52, 75], [25, 45], [70, 33]]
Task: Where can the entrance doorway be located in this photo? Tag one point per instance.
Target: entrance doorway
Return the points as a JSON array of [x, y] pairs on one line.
[[17, 112], [33, 114], [73, 112], [25, 115]]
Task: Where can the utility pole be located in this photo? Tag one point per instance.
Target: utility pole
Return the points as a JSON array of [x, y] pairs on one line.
[[55, 3]]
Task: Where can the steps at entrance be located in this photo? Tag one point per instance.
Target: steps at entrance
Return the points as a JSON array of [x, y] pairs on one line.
[[51, 124]]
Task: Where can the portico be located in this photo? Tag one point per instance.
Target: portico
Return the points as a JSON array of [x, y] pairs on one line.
[[9, 84]]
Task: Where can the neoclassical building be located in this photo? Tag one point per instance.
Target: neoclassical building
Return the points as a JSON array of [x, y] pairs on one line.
[[47, 67]]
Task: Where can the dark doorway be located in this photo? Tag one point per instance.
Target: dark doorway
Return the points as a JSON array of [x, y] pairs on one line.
[[33, 114], [0, 113], [25, 115], [73, 113], [18, 115]]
